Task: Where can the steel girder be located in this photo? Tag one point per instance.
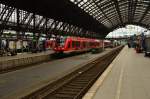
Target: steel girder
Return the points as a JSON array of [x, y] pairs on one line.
[[118, 12], [62, 11], [76, 15], [23, 21]]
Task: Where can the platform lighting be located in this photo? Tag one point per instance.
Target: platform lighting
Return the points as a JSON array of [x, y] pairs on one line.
[[84, 0], [140, 0], [72, 0]]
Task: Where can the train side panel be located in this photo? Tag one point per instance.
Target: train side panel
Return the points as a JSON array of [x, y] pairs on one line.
[[76, 44]]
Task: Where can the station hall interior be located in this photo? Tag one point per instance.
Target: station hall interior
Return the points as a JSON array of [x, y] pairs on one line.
[[74, 49]]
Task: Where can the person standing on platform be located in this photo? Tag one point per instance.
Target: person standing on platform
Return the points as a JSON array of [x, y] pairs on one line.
[[57, 40], [44, 45], [128, 42], [143, 42]]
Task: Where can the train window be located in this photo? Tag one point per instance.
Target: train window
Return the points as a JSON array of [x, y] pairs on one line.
[[84, 45], [62, 41], [90, 44], [69, 45], [87, 44], [78, 44], [73, 44]]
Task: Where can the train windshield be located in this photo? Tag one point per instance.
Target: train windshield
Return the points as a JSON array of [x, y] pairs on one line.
[[62, 41]]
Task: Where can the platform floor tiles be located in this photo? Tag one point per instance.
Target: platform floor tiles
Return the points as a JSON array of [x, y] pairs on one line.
[[129, 77]]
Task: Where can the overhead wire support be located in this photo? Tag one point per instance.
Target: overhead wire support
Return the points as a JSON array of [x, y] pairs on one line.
[[145, 12], [38, 24], [27, 14], [103, 12], [134, 9], [130, 11], [118, 10], [34, 25], [3, 12], [18, 23]]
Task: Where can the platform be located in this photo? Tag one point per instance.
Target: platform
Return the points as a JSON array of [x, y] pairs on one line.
[[24, 55], [9, 62], [16, 84], [128, 78]]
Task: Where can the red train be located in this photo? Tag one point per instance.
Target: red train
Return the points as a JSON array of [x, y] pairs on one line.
[[76, 44], [108, 43], [50, 44]]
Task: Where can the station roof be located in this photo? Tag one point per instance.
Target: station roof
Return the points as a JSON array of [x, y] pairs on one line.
[[100, 16]]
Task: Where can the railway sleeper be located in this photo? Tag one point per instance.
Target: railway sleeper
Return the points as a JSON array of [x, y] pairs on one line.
[[62, 93], [57, 98], [63, 96], [81, 80], [79, 83], [88, 75], [67, 92], [74, 86], [70, 89]]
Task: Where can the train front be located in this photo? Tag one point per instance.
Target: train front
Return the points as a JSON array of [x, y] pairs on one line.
[[60, 44]]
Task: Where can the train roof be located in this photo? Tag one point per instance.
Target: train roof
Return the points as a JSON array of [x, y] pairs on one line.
[[83, 39]]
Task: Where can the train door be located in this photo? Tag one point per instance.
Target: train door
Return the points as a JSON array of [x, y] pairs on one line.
[[25, 46], [69, 45], [73, 45], [19, 46], [12, 45]]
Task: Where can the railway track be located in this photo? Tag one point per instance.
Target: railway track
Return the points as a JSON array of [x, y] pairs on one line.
[[76, 84]]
